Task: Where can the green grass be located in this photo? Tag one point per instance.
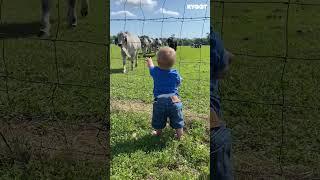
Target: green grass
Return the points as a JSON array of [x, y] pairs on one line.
[[40, 113], [259, 29], [54, 169], [138, 155]]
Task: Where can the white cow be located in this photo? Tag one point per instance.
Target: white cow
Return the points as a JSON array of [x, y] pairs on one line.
[[72, 15], [130, 44]]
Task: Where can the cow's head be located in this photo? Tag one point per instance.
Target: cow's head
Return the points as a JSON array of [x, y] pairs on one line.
[[122, 39], [158, 41]]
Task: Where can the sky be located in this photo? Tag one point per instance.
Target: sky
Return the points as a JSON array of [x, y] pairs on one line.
[[135, 11]]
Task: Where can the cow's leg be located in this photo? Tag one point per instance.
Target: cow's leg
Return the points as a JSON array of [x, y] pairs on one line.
[[144, 51], [132, 62], [84, 7], [136, 58], [72, 14], [124, 64], [45, 18]]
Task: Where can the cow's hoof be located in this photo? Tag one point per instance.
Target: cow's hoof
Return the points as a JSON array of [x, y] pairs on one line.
[[43, 34], [84, 12], [72, 25], [73, 22]]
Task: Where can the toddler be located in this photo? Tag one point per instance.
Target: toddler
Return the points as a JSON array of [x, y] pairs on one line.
[[167, 103]]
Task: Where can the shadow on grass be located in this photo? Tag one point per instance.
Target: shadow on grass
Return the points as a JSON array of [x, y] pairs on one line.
[[19, 30], [146, 143], [116, 71]]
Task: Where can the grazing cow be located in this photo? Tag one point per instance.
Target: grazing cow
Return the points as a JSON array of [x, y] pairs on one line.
[[173, 43], [145, 44], [72, 15], [130, 44]]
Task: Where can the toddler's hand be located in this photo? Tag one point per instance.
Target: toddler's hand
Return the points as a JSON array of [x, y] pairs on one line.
[[149, 62], [148, 59]]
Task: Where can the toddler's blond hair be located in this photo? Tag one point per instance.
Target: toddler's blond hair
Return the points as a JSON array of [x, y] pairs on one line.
[[166, 57]]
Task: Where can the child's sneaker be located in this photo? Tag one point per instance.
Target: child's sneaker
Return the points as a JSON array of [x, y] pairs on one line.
[[179, 134], [156, 133]]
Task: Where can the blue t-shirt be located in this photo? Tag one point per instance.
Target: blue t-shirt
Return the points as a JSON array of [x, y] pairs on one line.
[[165, 81], [218, 62]]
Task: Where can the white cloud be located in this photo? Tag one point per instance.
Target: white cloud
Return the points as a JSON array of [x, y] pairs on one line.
[[148, 4], [123, 13], [167, 12]]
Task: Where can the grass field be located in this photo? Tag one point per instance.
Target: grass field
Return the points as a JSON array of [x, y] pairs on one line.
[[52, 132], [265, 140], [137, 155]]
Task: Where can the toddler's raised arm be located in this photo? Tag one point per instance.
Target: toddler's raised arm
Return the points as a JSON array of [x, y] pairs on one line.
[[149, 62]]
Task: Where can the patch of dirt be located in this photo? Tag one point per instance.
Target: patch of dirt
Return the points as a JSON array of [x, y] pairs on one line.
[[50, 138], [142, 107]]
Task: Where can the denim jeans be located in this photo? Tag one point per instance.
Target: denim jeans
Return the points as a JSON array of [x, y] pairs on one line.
[[164, 108], [220, 154]]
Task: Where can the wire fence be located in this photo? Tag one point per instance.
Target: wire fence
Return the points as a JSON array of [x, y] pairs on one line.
[[224, 19], [136, 82], [45, 111]]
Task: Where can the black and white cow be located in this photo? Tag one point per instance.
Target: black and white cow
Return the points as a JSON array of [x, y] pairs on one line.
[[116, 41], [158, 43], [196, 45], [145, 44], [173, 43], [151, 42]]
